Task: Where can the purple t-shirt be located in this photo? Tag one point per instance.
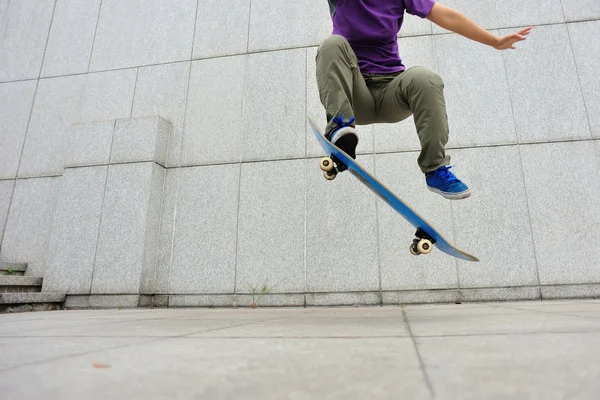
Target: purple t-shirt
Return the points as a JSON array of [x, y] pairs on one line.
[[371, 27]]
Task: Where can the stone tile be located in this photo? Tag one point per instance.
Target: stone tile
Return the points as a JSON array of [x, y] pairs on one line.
[[270, 300], [343, 299], [108, 95], [74, 237], [476, 91], [20, 351], [276, 25], [262, 365], [534, 12], [25, 26], [143, 32], [221, 28], [71, 37], [140, 139], [54, 110], [494, 223], [586, 51], [274, 108], [204, 245], [167, 224], [581, 10], [420, 297], [126, 228], [316, 111], [341, 232], [536, 84], [415, 26], [214, 119], [162, 90], [483, 12], [89, 144], [500, 294], [150, 261], [400, 270], [202, 300], [414, 51], [271, 227], [16, 101], [97, 301], [29, 223], [6, 193], [564, 204], [571, 291], [318, 22]]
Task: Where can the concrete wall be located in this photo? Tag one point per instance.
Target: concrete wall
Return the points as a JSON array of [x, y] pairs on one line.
[[162, 148]]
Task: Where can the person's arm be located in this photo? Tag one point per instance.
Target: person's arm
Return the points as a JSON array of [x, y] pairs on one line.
[[457, 22]]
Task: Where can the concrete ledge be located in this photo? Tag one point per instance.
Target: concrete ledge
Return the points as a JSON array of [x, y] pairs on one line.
[[17, 268], [582, 291], [22, 298], [103, 301], [501, 294], [7, 280], [343, 299], [421, 296]]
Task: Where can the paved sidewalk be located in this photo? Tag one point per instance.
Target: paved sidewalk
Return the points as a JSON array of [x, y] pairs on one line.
[[525, 350]]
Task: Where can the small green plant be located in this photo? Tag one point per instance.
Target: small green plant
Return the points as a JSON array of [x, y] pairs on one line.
[[258, 293], [10, 271]]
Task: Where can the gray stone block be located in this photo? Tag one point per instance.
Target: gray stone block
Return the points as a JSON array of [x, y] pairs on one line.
[[402, 136], [29, 223], [571, 291], [500, 294], [108, 95], [420, 296], [54, 110], [483, 12], [204, 243], [143, 32], [214, 118], [202, 300], [318, 22], [270, 300], [274, 109], [526, 13], [271, 243], [276, 25], [150, 260], [581, 10], [25, 26], [493, 224], [89, 144], [71, 37], [167, 224], [221, 28], [162, 90], [103, 301], [343, 299], [140, 139], [75, 227], [587, 52], [24, 298], [341, 232], [476, 91], [400, 270], [124, 251], [537, 83], [564, 205], [6, 193], [16, 101]]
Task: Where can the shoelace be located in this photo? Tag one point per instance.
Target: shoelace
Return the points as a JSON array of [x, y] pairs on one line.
[[340, 121], [446, 175]]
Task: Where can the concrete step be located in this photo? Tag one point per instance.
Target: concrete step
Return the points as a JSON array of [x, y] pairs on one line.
[[20, 302], [20, 284], [16, 268]]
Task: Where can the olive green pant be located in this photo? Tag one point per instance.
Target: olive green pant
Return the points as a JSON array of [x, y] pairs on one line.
[[371, 98]]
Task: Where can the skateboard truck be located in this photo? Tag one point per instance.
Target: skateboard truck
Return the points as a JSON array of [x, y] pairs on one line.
[[331, 166], [422, 244]]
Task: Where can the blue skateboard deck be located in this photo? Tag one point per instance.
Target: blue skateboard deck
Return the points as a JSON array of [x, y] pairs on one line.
[[424, 229]]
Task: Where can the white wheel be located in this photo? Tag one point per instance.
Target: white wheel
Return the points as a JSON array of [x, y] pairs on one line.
[[326, 164], [412, 251], [329, 175], [424, 246]]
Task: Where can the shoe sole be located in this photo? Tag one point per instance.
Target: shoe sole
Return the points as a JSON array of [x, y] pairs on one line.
[[451, 196]]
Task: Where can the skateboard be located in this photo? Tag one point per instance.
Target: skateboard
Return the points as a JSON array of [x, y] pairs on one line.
[[426, 236]]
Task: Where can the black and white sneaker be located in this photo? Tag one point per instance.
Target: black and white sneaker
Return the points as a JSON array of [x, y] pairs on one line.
[[344, 136]]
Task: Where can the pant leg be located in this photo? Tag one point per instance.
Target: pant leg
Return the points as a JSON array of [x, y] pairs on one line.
[[342, 88], [421, 92]]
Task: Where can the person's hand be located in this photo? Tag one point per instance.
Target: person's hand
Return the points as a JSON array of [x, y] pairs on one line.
[[508, 41]]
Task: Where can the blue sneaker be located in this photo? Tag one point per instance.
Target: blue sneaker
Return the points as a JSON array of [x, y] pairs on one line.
[[443, 182], [344, 136]]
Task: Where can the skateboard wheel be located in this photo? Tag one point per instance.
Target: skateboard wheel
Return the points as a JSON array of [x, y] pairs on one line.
[[326, 164], [329, 175], [424, 246], [413, 250]]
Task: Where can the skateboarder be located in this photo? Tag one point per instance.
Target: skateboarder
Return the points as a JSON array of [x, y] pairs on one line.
[[362, 80]]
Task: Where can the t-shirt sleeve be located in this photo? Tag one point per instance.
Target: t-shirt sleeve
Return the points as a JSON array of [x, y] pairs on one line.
[[420, 8]]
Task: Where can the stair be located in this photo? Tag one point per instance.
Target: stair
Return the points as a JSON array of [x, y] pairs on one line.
[[20, 293]]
